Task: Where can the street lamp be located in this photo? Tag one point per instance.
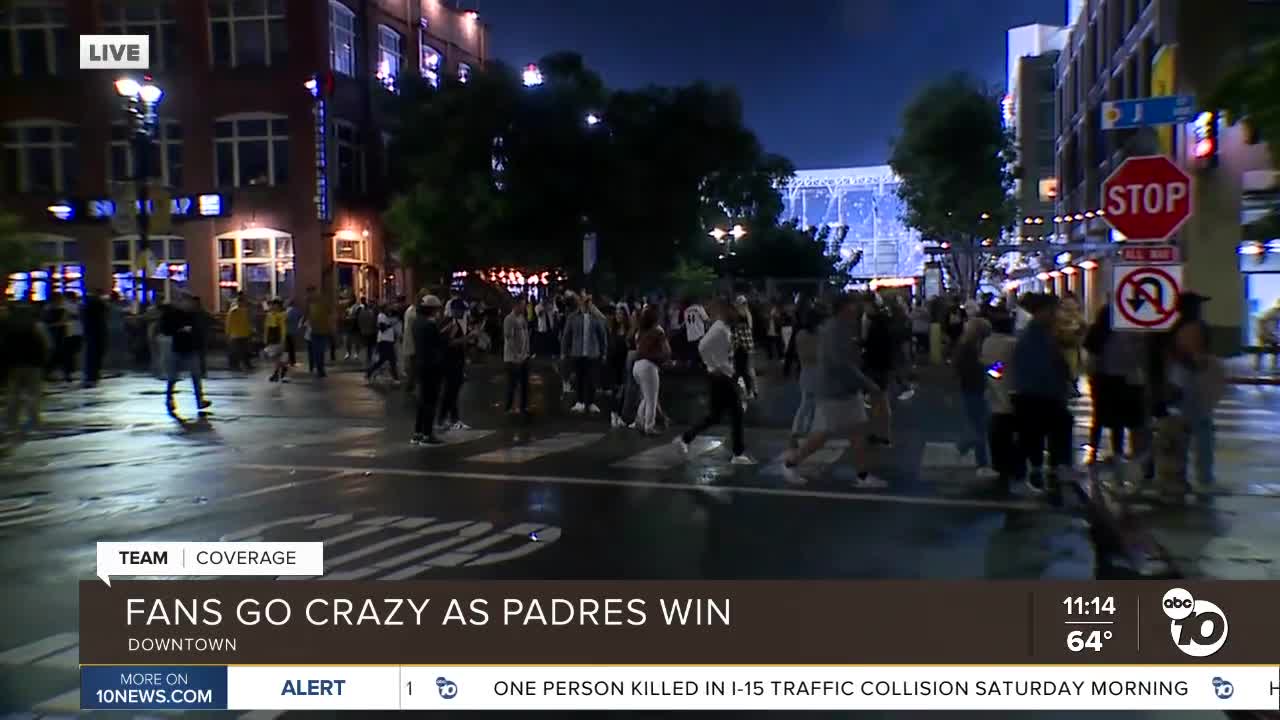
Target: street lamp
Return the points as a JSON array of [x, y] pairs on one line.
[[593, 120], [141, 100], [532, 76]]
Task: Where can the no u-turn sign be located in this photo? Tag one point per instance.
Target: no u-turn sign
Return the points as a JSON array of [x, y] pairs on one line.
[[1146, 297]]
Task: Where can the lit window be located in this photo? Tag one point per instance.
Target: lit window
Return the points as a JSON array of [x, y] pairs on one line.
[[154, 18], [390, 56], [342, 38], [248, 32], [40, 156], [167, 267], [430, 60], [351, 162], [464, 73], [257, 262], [250, 150], [165, 160], [63, 273], [33, 38]]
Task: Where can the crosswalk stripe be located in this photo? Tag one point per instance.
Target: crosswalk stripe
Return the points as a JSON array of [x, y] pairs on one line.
[[68, 659], [1219, 434], [1087, 407], [666, 455], [43, 647], [67, 701], [536, 449], [945, 455]]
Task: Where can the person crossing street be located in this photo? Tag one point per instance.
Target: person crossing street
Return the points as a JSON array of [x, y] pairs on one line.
[[715, 349]]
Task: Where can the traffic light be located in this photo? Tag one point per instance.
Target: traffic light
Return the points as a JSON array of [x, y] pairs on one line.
[[1205, 150]]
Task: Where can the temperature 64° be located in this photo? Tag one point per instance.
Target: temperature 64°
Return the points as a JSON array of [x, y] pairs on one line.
[[1078, 640]]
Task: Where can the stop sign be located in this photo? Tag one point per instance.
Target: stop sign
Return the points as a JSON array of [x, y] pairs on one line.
[[1147, 198]]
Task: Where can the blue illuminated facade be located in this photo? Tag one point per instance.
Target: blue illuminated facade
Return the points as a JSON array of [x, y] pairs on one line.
[[865, 200]]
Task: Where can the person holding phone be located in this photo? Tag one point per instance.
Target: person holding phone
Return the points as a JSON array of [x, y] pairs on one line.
[[458, 337]]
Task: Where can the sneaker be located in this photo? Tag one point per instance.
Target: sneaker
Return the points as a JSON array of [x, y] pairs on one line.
[[907, 394], [460, 426], [417, 439], [594, 409], [682, 447], [1035, 482], [986, 473], [791, 475], [204, 404], [742, 460], [869, 482], [578, 408]]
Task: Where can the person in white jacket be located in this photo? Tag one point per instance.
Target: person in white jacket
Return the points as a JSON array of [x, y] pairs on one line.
[[997, 358], [715, 349]]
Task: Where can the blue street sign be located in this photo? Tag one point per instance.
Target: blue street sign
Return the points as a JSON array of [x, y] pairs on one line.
[[1148, 112]]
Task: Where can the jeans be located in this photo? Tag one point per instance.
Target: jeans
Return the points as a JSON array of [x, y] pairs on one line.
[[26, 387], [319, 345], [742, 368], [979, 414], [238, 351], [291, 348], [724, 398], [802, 423], [1043, 421], [179, 362], [454, 373], [1005, 456], [94, 349], [428, 396], [518, 380], [649, 379], [386, 355], [1203, 436], [584, 369]]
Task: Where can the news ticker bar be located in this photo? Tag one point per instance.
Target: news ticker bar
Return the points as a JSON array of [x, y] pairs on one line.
[[539, 623], [794, 688]]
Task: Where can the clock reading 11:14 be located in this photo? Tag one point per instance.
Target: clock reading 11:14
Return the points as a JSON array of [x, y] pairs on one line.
[[1090, 605]]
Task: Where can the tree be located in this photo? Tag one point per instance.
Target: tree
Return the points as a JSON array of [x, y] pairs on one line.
[[17, 252], [1251, 93], [787, 251], [954, 157]]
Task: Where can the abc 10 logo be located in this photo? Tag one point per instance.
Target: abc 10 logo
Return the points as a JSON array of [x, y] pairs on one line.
[[1199, 627]]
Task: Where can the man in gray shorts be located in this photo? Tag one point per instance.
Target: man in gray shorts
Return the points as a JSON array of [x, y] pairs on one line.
[[841, 384]]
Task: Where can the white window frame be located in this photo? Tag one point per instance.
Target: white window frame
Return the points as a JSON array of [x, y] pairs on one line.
[[58, 145], [342, 40], [162, 17], [390, 56], [237, 138], [169, 286], [164, 141], [231, 18], [357, 150], [280, 260], [50, 24], [431, 73]]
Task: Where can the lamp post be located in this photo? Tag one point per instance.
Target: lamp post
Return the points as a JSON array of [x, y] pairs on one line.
[[141, 99], [727, 238]]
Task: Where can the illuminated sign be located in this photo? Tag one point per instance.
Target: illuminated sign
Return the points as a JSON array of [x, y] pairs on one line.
[[322, 196], [1048, 189], [182, 207]]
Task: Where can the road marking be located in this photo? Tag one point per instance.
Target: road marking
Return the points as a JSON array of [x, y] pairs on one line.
[[679, 486], [1219, 432], [667, 456], [1087, 407], [44, 647], [68, 701], [938, 455], [536, 449]]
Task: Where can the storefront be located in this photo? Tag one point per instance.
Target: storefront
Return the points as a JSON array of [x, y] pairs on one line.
[[61, 270], [1260, 265], [164, 260], [256, 261], [357, 277]]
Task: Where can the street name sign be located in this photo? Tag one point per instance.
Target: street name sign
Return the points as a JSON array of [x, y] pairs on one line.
[[1148, 112], [1147, 198], [1146, 297], [1150, 255]]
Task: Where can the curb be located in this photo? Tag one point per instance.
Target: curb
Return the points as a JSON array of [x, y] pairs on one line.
[[1245, 380]]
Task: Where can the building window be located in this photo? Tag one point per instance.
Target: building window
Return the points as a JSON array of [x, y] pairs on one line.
[[351, 158], [430, 60], [342, 38], [390, 56], [61, 273], [40, 156], [251, 149], [166, 266], [33, 38], [247, 32], [257, 262], [165, 160], [154, 18], [464, 73]]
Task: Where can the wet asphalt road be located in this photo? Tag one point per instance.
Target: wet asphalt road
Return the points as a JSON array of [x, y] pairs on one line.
[[330, 461]]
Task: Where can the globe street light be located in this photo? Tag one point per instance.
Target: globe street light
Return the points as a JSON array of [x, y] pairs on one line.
[[141, 99]]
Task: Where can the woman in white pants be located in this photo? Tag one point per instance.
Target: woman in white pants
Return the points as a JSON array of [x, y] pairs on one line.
[[652, 351]]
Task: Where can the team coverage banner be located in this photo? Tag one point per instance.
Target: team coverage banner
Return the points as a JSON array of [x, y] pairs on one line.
[[805, 645]]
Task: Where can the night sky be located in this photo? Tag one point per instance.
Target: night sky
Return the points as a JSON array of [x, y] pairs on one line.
[[823, 81]]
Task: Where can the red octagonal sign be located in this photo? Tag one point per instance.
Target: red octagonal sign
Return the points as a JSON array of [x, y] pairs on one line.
[[1147, 198]]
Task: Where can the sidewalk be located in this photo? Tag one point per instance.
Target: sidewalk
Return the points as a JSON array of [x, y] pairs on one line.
[[1243, 370]]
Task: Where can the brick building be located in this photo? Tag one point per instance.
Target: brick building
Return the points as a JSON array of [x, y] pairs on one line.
[[236, 153]]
